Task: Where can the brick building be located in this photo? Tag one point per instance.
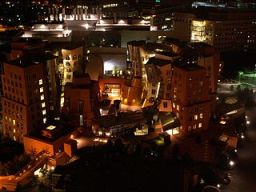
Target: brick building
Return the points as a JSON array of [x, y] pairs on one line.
[[25, 102]]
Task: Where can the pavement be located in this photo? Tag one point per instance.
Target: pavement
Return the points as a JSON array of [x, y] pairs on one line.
[[243, 176]]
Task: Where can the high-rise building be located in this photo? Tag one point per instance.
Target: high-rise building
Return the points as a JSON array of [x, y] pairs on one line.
[[25, 98], [190, 96]]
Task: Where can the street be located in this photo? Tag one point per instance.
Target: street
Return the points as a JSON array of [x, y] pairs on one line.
[[244, 174]]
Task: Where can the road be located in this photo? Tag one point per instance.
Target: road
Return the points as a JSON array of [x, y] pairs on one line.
[[244, 175]]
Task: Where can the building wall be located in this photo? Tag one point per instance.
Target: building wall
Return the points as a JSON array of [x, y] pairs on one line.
[[81, 101], [25, 103], [71, 59], [53, 85], [189, 87], [193, 117], [36, 145], [225, 35]]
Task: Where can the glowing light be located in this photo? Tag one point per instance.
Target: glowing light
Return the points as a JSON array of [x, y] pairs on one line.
[[223, 122], [218, 185], [51, 127], [231, 163], [86, 26], [40, 81], [100, 133]]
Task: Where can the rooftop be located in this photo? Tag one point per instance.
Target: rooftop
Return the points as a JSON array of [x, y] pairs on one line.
[[159, 62], [28, 60]]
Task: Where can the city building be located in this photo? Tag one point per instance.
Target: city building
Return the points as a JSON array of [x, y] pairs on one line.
[[53, 141], [225, 29], [190, 96], [52, 32], [72, 57], [81, 100], [109, 61], [169, 71], [25, 98]]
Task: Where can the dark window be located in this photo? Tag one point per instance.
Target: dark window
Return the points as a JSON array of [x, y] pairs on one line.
[[81, 107]]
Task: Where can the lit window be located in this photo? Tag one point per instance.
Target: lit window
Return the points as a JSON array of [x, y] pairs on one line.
[[62, 101], [41, 89], [14, 138], [173, 105], [201, 115], [195, 117], [13, 122], [81, 119], [194, 126], [44, 112], [40, 82], [43, 104], [199, 125], [178, 107], [14, 130], [42, 97], [44, 120]]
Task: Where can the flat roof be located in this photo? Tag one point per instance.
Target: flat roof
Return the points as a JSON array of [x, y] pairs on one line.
[[28, 60]]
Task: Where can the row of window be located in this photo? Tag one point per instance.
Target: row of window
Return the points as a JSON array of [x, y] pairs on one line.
[[195, 126]]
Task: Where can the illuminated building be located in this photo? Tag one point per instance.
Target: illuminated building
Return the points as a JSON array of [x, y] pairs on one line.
[[72, 56], [190, 97], [81, 100], [111, 87], [126, 124], [50, 32], [25, 99], [226, 31], [172, 70], [109, 61], [52, 141], [118, 88]]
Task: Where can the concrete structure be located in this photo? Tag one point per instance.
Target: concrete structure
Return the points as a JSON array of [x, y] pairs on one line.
[[190, 97], [25, 99], [81, 100], [51, 32]]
